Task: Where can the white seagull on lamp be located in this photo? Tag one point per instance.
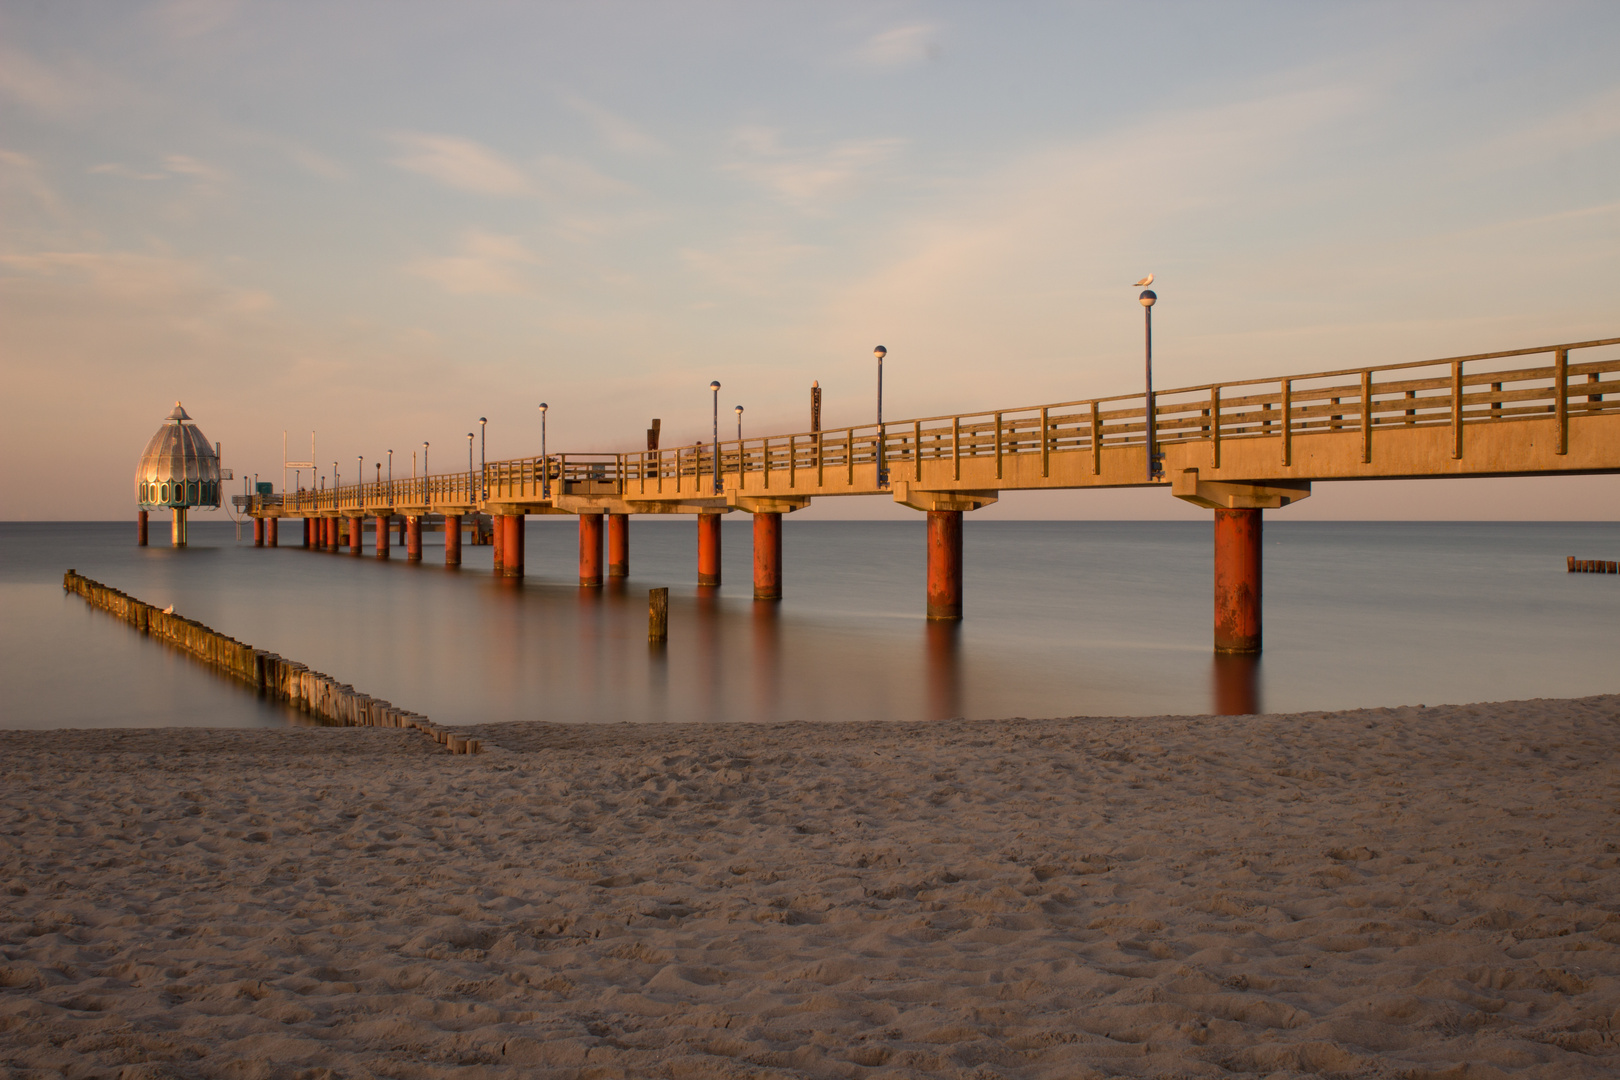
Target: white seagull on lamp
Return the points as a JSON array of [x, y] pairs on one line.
[[1146, 281]]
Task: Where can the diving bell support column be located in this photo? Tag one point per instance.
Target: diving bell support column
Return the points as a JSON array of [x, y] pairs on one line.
[[140, 529], [1238, 529]]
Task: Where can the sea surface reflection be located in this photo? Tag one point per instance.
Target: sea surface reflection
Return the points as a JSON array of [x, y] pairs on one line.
[[1063, 618]]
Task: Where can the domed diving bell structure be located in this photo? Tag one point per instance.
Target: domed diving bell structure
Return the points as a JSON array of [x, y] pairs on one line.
[[178, 470]]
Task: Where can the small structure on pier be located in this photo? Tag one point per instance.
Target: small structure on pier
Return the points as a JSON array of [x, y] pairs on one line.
[[179, 470]]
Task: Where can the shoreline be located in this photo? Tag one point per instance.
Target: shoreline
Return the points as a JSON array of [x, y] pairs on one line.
[[1353, 893]]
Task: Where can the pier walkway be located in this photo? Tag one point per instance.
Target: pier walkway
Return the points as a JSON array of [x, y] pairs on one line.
[[1237, 448]]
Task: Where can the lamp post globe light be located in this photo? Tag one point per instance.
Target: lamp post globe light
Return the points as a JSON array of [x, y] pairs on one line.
[[545, 462], [738, 410], [1154, 467], [715, 388]]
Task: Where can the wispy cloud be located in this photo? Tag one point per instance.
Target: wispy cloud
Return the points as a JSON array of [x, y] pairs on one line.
[[206, 177], [22, 175], [900, 46], [460, 163], [487, 264], [614, 130], [751, 264], [807, 178]]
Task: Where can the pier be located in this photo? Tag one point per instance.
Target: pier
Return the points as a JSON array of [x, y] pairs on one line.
[[1237, 449]]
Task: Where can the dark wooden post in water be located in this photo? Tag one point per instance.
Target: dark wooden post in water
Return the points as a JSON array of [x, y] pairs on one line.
[[272, 532], [512, 548], [618, 541], [140, 529], [658, 615], [1237, 581], [452, 539], [708, 549], [357, 534], [413, 538], [768, 555], [590, 550], [944, 564], [382, 536]]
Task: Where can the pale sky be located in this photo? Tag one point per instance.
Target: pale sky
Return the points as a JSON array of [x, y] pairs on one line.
[[381, 221]]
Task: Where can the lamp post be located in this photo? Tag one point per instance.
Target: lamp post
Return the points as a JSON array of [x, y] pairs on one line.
[[1155, 470], [483, 462], [545, 462], [360, 473], [715, 387], [882, 464], [424, 466], [738, 411], [880, 352], [469, 463]]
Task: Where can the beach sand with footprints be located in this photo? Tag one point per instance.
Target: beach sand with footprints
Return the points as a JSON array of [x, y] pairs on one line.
[[1413, 892]]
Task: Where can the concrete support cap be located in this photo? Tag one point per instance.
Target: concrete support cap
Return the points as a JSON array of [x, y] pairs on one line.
[[755, 504], [1224, 495], [917, 499]]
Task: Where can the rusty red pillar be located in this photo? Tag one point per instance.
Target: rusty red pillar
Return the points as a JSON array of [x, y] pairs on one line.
[[708, 549], [768, 556], [382, 536], [140, 528], [272, 532], [1237, 581], [357, 534], [590, 549], [413, 538], [512, 549], [497, 538], [618, 530], [331, 534], [944, 564], [258, 531], [452, 539]]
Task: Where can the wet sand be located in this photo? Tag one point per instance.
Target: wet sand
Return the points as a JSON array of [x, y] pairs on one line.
[[1393, 892]]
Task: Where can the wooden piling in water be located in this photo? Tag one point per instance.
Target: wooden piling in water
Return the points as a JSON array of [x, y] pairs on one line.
[[658, 615]]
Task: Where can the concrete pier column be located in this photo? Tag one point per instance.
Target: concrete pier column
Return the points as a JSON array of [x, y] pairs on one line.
[[512, 549], [708, 549], [452, 539], [767, 555], [498, 538], [178, 527], [413, 538], [590, 550], [272, 531], [258, 531], [140, 529], [1237, 581], [357, 535], [944, 564], [306, 532], [382, 536], [329, 526], [618, 530]]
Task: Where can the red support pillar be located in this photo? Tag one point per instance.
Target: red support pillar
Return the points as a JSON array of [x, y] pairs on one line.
[[258, 531], [452, 539], [708, 549], [512, 549], [331, 524], [357, 535], [382, 536], [306, 532], [944, 564], [590, 550], [498, 538], [413, 538], [140, 528], [1237, 581], [768, 556], [272, 531], [618, 529]]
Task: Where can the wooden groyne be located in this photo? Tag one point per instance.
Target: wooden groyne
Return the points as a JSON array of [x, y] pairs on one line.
[[1592, 566], [273, 676]]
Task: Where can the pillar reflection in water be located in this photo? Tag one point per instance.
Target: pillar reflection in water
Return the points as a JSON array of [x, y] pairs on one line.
[[1235, 679], [767, 653], [706, 666], [943, 643]]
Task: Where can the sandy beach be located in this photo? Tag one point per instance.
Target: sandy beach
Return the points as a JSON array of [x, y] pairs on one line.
[[1415, 892]]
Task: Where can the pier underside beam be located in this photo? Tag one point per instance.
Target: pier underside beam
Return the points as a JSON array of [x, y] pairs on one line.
[[618, 541], [708, 549], [590, 550]]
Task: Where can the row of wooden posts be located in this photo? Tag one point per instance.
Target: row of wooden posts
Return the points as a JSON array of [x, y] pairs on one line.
[[1592, 566], [270, 674]]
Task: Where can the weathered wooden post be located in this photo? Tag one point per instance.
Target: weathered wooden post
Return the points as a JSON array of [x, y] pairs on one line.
[[657, 615]]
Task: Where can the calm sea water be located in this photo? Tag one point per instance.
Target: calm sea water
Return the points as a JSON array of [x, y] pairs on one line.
[[1063, 618]]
